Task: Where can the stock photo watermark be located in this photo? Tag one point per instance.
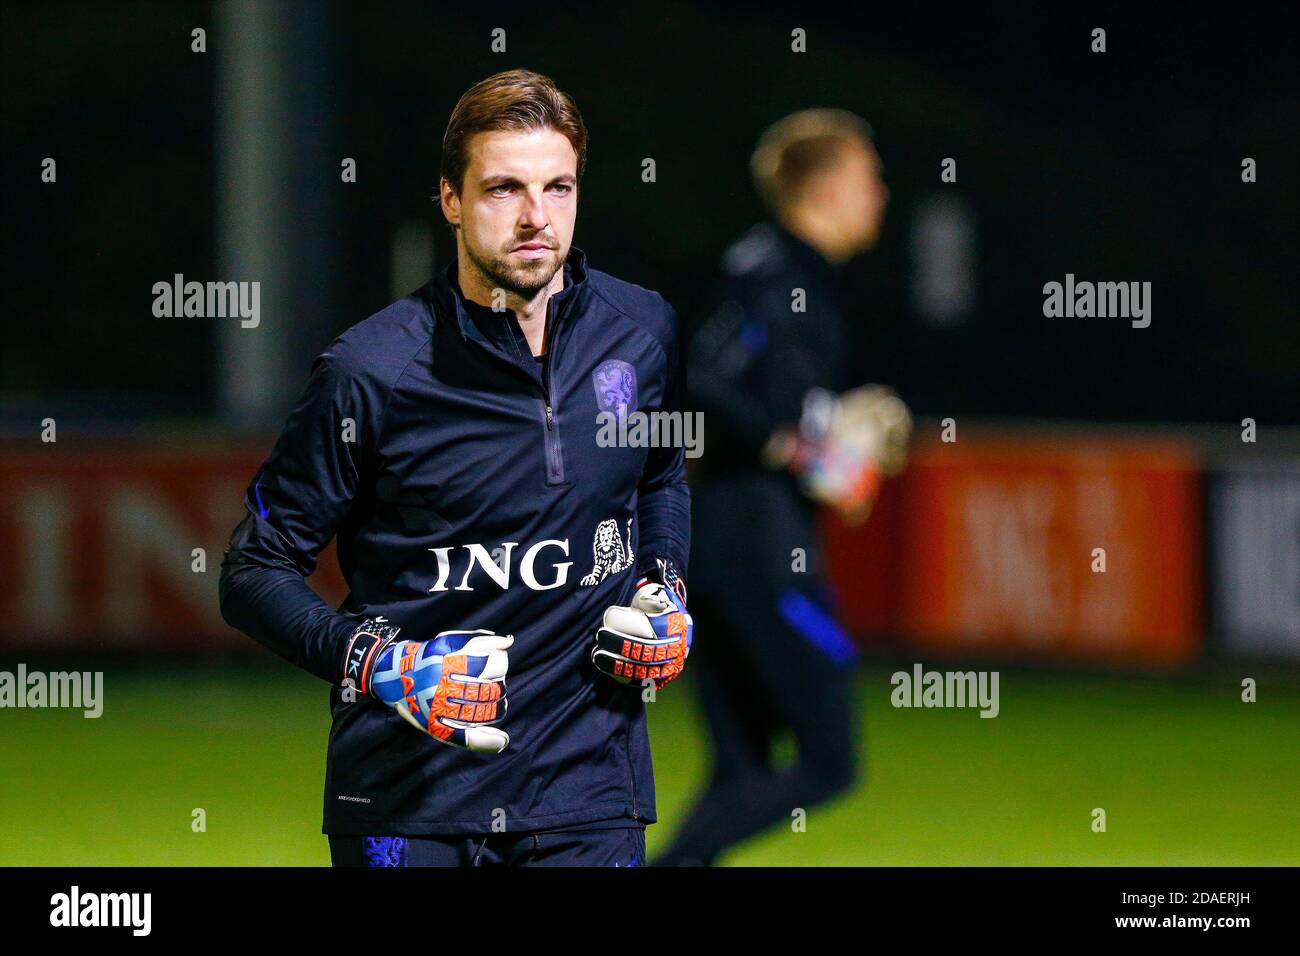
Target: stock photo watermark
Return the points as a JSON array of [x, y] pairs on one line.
[[956, 689], [208, 300], [127, 910], [1100, 300], [652, 430], [75, 690]]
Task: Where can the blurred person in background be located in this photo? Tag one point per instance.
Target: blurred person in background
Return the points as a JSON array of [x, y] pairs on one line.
[[770, 370]]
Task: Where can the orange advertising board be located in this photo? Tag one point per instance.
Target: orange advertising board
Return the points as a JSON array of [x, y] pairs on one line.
[[1086, 549], [98, 544], [987, 546]]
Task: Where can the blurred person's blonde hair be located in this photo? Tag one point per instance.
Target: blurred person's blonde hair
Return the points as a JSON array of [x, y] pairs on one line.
[[793, 150]]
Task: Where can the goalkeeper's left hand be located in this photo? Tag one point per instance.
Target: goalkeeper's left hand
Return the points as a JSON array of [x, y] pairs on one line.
[[650, 639]]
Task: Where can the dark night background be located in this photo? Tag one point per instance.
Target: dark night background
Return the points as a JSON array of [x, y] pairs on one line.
[[1117, 166]]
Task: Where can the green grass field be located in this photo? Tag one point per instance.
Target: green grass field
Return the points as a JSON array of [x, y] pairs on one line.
[[1186, 772]]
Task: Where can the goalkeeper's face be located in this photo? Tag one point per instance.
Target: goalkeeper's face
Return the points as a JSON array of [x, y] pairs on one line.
[[517, 207]]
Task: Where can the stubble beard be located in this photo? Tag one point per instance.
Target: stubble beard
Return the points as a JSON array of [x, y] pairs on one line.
[[522, 279]]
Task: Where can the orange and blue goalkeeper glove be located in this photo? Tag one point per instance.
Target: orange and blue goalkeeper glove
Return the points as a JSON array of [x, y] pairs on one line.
[[650, 639], [451, 687]]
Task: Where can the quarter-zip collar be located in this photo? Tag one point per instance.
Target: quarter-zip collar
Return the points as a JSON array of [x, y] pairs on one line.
[[472, 319]]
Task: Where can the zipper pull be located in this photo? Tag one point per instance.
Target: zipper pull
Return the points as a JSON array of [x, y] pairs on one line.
[[550, 418]]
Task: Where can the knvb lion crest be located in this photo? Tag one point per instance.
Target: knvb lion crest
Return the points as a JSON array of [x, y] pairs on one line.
[[615, 383], [609, 554]]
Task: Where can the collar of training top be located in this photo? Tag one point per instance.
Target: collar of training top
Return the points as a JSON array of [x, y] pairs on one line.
[[450, 301], [803, 253]]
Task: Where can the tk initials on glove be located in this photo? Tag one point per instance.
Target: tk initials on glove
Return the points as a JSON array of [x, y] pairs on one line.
[[452, 686]]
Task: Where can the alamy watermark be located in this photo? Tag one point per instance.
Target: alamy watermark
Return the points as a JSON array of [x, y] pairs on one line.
[[661, 429], [1101, 300], [208, 300], [73, 689], [132, 911], [922, 688]]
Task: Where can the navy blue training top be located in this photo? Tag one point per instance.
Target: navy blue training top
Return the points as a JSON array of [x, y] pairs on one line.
[[466, 486]]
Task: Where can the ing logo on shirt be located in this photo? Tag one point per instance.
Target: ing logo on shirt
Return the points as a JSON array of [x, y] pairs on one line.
[[537, 567]]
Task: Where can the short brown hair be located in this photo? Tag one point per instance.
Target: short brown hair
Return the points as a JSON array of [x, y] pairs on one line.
[[794, 149], [514, 100]]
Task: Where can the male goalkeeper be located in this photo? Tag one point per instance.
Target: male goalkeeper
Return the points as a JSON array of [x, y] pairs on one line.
[[770, 372], [496, 553]]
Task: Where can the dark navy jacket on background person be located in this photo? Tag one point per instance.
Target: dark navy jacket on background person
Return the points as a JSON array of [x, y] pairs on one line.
[[750, 367], [474, 495]]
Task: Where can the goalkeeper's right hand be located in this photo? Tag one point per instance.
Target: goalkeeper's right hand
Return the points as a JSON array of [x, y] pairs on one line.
[[452, 687]]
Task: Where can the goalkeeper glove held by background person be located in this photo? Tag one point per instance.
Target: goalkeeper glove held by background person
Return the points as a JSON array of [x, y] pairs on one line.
[[843, 446]]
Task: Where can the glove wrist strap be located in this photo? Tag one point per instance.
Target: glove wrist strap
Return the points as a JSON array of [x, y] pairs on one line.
[[663, 571], [363, 649]]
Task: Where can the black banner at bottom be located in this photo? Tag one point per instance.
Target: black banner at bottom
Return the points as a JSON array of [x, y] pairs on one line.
[[317, 906]]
